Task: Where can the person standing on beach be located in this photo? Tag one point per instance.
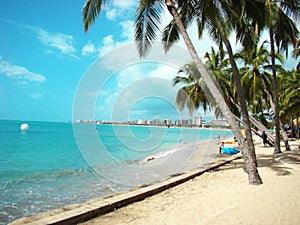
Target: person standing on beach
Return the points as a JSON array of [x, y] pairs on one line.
[[221, 146], [264, 138]]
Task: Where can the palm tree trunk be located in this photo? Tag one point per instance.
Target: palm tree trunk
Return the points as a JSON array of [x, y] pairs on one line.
[[297, 125], [250, 156], [261, 127], [284, 137], [275, 96], [250, 159]]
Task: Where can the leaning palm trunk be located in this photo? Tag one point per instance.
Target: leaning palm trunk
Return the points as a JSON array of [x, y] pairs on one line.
[[275, 96], [250, 159], [284, 135], [259, 126], [250, 156]]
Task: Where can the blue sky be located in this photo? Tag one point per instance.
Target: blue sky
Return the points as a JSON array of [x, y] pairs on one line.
[[45, 57]]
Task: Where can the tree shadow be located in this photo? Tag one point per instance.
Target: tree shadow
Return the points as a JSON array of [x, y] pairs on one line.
[[269, 161], [282, 164]]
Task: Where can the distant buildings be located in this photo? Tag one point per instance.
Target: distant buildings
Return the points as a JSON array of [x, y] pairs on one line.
[[218, 122], [197, 121]]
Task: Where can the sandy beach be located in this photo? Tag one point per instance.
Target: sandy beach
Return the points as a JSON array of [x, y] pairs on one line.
[[223, 196]]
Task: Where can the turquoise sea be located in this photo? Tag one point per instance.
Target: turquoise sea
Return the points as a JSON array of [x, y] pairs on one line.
[[56, 164]]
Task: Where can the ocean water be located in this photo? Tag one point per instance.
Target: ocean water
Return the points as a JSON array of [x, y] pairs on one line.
[[55, 164]]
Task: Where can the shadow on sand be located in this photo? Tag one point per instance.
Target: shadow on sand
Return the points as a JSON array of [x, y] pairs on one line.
[[282, 164]]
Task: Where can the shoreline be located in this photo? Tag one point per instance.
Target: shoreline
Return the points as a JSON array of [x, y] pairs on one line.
[[51, 189], [166, 167], [220, 196]]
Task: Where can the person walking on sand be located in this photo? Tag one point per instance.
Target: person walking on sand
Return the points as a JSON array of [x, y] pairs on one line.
[[264, 138], [221, 146]]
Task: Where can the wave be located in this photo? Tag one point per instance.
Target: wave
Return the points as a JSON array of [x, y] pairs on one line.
[[181, 146]]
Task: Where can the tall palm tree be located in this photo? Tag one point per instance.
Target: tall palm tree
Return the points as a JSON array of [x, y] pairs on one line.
[[259, 80], [219, 66], [217, 17], [146, 26], [282, 31]]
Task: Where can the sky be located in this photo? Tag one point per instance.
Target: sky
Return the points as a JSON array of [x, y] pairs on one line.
[[50, 70]]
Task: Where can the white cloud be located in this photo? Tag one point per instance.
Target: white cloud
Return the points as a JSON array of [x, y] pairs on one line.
[[121, 9], [164, 71], [119, 94], [88, 49], [109, 42], [22, 74], [129, 75], [111, 14], [127, 30], [124, 4], [57, 41], [63, 43]]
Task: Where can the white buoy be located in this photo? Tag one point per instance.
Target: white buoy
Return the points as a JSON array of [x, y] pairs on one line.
[[24, 127]]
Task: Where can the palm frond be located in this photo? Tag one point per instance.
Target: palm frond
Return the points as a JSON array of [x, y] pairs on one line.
[[147, 22], [90, 12], [170, 35], [285, 31]]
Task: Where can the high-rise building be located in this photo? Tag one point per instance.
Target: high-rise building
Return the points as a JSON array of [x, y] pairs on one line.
[[197, 120]]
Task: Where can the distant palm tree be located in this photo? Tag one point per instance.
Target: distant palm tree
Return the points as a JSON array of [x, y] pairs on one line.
[[257, 79], [289, 95], [193, 93], [296, 53], [282, 31], [219, 67]]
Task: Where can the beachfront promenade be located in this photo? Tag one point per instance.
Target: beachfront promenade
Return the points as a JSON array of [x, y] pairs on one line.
[[220, 195]]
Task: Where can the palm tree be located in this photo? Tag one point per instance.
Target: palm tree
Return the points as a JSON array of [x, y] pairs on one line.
[[217, 17], [193, 93], [258, 80], [282, 31], [219, 66], [289, 96], [296, 53], [146, 27]]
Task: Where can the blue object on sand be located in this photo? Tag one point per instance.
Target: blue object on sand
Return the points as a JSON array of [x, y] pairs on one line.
[[230, 151]]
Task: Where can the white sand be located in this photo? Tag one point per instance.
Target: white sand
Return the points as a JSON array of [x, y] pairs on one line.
[[224, 197]]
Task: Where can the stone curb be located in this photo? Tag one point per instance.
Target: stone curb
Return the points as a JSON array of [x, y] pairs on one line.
[[77, 213]]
